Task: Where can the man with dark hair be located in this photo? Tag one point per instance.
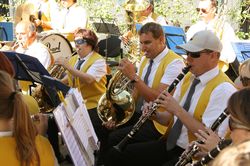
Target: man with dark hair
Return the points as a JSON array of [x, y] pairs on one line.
[[197, 101], [158, 68]]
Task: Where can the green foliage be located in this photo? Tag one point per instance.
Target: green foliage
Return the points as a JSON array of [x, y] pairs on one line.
[[177, 12]]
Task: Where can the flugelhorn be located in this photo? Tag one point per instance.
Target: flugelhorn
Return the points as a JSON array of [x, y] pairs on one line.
[[186, 156], [121, 145]]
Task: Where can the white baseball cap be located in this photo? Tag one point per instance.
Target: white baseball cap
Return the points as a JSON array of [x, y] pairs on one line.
[[202, 40]]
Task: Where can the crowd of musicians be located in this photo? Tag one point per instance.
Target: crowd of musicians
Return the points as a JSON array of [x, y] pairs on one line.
[[188, 94]]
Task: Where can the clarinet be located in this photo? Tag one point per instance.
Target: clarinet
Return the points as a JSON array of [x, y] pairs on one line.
[[213, 153], [186, 156], [121, 145]]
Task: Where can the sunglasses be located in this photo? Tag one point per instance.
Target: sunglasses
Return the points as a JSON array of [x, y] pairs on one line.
[[80, 41], [202, 10], [197, 54]]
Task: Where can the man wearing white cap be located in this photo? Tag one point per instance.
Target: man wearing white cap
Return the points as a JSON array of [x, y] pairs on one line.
[[193, 107], [217, 23]]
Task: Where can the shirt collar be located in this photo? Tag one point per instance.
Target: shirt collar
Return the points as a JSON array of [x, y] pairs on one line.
[[6, 133], [159, 57], [86, 57], [207, 76]]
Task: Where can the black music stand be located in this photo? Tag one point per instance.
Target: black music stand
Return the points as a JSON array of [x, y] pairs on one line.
[[111, 46], [28, 68]]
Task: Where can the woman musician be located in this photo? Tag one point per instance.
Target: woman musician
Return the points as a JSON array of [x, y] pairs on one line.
[[10, 116]]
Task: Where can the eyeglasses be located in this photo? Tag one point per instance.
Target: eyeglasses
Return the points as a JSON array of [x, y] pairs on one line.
[[234, 123], [202, 10], [80, 41], [197, 54]]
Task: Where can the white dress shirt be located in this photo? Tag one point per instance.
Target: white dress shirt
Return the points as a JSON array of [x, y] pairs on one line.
[[226, 35], [98, 69], [39, 51], [72, 18], [171, 71], [160, 20], [216, 105]]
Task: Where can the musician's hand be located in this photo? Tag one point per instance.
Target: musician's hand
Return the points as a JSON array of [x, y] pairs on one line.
[[209, 138], [167, 101], [63, 62], [127, 68], [146, 111], [109, 124], [199, 155], [41, 123]]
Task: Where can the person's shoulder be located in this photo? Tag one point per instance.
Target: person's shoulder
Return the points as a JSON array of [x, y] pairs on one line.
[[42, 140]]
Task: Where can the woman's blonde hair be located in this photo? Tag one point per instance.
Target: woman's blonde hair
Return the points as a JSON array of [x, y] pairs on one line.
[[235, 155], [13, 107]]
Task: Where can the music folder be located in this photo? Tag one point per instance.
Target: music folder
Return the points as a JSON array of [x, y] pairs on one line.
[[29, 68]]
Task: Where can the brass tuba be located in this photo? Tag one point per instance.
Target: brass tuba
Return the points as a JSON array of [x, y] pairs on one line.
[[117, 104]]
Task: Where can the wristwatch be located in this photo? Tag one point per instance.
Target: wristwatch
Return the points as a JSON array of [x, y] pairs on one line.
[[136, 79]]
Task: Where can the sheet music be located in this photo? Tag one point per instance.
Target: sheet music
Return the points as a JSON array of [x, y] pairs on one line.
[[76, 127], [69, 137]]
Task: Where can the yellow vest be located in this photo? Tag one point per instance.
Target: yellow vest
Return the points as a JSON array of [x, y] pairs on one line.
[[205, 95], [157, 80], [8, 151], [90, 92]]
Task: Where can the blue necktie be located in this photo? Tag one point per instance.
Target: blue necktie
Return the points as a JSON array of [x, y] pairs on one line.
[[79, 63], [176, 129]]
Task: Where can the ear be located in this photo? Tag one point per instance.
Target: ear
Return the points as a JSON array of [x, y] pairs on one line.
[[163, 39]]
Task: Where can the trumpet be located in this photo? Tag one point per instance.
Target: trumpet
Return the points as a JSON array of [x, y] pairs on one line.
[[186, 156], [121, 145]]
